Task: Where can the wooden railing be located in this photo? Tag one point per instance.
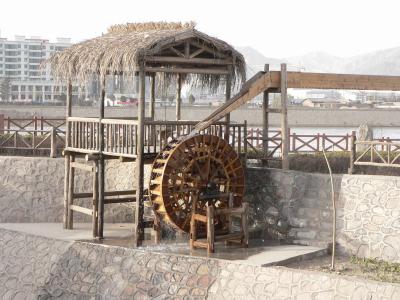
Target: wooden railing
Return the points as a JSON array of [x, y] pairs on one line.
[[120, 135], [375, 153], [298, 143], [29, 139], [35, 124]]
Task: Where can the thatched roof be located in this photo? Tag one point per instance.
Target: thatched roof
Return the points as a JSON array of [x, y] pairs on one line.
[[123, 46]]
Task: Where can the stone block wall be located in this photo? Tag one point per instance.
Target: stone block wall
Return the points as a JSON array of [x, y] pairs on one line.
[[294, 203], [368, 209], [283, 204], [32, 189], [369, 216], [33, 267]]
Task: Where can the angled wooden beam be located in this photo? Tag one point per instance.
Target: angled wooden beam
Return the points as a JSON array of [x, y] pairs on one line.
[[208, 49], [177, 52], [197, 52]]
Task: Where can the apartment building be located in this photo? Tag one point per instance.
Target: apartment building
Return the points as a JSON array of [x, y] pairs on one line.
[[20, 61]]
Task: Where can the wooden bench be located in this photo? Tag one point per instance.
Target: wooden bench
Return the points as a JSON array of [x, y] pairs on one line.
[[241, 237]]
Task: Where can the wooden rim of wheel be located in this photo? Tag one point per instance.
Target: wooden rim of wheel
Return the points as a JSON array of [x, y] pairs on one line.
[[201, 166]]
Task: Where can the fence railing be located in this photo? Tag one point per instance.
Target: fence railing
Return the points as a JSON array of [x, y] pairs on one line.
[[298, 143], [120, 138], [35, 124], [29, 139]]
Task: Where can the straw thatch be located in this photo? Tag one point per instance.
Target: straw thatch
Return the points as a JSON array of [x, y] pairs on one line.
[[120, 50]]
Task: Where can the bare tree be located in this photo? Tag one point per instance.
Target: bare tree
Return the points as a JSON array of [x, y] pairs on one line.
[[333, 212]]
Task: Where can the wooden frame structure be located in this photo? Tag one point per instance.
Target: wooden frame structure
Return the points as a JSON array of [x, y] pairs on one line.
[[173, 49], [165, 49], [241, 237]]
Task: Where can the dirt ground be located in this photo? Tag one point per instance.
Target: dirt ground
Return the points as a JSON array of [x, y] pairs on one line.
[[367, 268]]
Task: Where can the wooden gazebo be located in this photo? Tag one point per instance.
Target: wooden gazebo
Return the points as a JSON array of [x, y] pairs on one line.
[[156, 50]]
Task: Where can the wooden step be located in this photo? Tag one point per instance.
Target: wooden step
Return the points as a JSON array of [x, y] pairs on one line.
[[81, 209]]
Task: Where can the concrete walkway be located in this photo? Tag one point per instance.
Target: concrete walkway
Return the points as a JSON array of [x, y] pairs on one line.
[[259, 253]]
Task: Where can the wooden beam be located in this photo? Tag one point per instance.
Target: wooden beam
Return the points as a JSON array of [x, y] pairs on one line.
[[254, 86], [139, 165], [228, 90], [95, 203], [196, 53], [67, 159], [177, 52], [100, 162], [152, 96], [214, 52], [71, 183], [187, 70], [265, 112], [82, 210], [339, 81], [81, 166], [190, 60], [187, 49], [119, 200], [284, 120], [178, 97]]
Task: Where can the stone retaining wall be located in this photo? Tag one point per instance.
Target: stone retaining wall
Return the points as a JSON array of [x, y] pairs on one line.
[[368, 209], [281, 202], [34, 267], [31, 189]]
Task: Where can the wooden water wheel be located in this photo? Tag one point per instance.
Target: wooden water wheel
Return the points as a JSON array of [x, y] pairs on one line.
[[202, 166]]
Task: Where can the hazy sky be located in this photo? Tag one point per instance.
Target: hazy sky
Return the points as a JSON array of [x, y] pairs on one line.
[[278, 28]]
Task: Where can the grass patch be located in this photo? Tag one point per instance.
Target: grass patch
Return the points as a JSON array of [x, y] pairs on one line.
[[368, 268]]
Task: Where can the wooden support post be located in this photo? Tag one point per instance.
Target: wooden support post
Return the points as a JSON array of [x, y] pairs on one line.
[[67, 159], [53, 143], [228, 89], [139, 166], [193, 232], [1, 123], [152, 96], [245, 228], [284, 119], [95, 198], [71, 183], [178, 97], [101, 171], [210, 229], [265, 107], [352, 152]]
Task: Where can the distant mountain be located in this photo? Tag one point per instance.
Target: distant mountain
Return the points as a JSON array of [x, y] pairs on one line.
[[255, 60], [383, 62], [315, 62]]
